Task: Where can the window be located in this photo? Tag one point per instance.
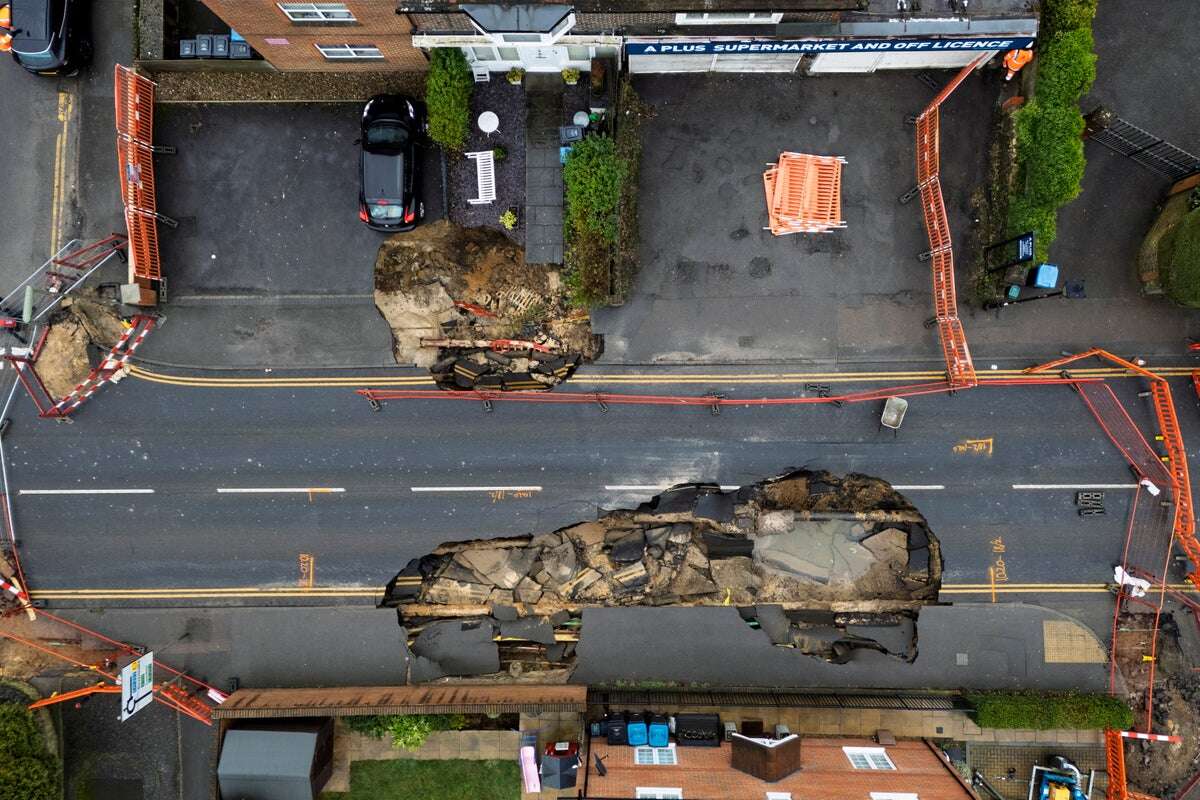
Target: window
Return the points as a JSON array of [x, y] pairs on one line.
[[779, 796], [657, 793], [893, 796], [727, 18], [578, 52], [350, 52], [317, 12], [657, 756], [868, 758]]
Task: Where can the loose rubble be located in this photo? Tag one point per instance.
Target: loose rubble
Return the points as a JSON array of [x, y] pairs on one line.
[[463, 302], [820, 563]]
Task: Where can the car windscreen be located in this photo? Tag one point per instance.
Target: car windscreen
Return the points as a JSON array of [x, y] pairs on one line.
[[31, 21], [383, 177], [386, 135]]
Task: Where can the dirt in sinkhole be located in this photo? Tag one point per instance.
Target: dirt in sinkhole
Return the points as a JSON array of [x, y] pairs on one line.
[[80, 322]]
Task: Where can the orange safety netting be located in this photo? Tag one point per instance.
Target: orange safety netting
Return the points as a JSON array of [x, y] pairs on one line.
[[804, 194]]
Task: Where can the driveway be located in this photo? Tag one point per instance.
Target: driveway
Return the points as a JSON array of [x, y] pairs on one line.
[[715, 287], [267, 200]]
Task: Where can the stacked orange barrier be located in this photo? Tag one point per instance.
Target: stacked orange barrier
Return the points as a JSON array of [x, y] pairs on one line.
[[134, 101], [804, 194]]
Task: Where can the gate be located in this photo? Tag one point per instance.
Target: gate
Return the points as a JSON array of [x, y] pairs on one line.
[[1147, 149]]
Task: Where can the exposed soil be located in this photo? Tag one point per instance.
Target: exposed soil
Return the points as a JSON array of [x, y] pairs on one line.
[[1158, 768], [420, 276], [257, 87], [80, 322]]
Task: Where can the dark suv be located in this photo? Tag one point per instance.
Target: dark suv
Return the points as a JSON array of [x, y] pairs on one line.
[[50, 37], [389, 167]]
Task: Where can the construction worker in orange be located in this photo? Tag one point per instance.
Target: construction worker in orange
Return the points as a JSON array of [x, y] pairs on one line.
[[5, 28], [1014, 60]]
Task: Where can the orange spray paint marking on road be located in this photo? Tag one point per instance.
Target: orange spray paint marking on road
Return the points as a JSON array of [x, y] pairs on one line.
[[974, 446], [307, 570]]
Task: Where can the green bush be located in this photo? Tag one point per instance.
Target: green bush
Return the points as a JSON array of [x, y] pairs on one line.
[[448, 96], [374, 725], [1042, 220], [592, 180], [1066, 68], [589, 265], [1181, 259], [28, 771], [1038, 711], [1050, 152], [408, 731], [1066, 15]]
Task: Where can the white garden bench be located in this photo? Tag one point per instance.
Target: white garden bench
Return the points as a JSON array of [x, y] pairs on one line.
[[485, 177], [481, 73]]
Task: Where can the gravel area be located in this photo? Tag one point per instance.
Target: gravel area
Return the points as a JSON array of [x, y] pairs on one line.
[[508, 103], [257, 87]]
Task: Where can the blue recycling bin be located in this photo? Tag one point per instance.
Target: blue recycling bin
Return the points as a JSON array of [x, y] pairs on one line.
[[637, 731], [1044, 276]]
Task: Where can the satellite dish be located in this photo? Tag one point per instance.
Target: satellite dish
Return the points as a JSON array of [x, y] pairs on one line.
[[601, 770]]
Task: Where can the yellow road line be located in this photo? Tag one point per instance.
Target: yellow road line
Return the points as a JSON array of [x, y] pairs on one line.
[[60, 143], [217, 593], [649, 379]]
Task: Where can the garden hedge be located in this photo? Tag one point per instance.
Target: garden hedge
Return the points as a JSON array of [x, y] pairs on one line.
[[448, 89], [1180, 260], [1049, 145], [1066, 68], [1039, 711], [592, 179], [28, 770]]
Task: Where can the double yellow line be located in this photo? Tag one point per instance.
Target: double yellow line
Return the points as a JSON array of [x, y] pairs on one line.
[[657, 378], [358, 592], [66, 106]]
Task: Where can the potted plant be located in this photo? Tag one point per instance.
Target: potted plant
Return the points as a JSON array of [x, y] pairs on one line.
[[509, 219], [570, 76], [515, 76]]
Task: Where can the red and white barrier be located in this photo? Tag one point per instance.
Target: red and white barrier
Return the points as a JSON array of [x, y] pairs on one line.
[[1151, 737]]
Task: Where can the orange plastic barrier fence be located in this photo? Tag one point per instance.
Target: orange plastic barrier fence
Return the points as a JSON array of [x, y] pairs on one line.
[[960, 369], [134, 101], [1114, 752]]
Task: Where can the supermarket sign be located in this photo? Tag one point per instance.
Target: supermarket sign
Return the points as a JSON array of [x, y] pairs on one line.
[[800, 46]]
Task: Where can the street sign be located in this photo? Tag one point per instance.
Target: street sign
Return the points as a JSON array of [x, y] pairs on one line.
[[1025, 247], [137, 685]]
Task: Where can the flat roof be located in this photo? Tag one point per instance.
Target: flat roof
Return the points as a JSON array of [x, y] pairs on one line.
[[345, 701]]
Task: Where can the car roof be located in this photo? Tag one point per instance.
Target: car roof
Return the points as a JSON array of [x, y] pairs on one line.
[[31, 20]]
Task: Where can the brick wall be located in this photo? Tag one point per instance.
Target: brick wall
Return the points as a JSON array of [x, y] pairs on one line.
[[294, 48], [705, 773]]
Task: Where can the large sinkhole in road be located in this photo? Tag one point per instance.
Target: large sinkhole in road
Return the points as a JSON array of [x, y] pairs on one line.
[[821, 563]]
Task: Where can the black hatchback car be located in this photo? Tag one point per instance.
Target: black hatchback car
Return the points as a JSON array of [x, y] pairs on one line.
[[389, 167], [50, 37]]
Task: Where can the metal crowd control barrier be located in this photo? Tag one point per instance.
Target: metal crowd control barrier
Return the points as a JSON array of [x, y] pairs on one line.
[[960, 370], [134, 106]]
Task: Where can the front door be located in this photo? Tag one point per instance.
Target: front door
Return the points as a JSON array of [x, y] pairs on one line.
[[543, 59]]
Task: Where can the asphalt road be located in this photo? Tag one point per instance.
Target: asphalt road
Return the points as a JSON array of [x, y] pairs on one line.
[[185, 488], [33, 132]]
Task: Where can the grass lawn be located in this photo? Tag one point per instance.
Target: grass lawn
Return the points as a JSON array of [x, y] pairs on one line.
[[453, 779]]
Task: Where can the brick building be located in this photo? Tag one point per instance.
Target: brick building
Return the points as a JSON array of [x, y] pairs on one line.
[[845, 769], [345, 36]]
